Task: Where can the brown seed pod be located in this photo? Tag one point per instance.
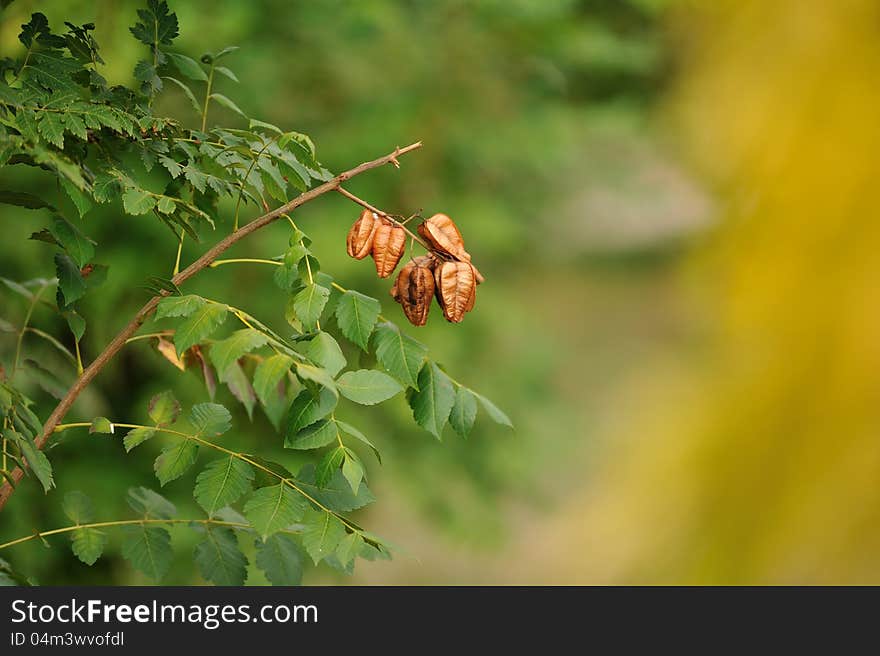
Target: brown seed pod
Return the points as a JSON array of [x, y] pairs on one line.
[[456, 288], [414, 289], [359, 242], [443, 235], [389, 242]]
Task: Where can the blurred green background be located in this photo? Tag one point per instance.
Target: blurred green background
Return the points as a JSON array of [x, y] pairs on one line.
[[673, 205]]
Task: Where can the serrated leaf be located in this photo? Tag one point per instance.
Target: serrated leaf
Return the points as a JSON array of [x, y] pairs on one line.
[[307, 408], [494, 412], [222, 483], [327, 466], [237, 381], [137, 436], [78, 507], [70, 280], [187, 66], [80, 248], [227, 351], [101, 425], [349, 547], [150, 504], [78, 197], [399, 354], [210, 419], [325, 352], [464, 412], [273, 508], [166, 205], [219, 558], [36, 460], [269, 373], [367, 386], [356, 315], [173, 462], [309, 302], [22, 199], [87, 544], [164, 409], [75, 322], [316, 375], [51, 127], [226, 102], [137, 201], [199, 325], [148, 549], [353, 470], [336, 494], [157, 25], [432, 402], [322, 534], [319, 434], [280, 559], [179, 306], [348, 429]]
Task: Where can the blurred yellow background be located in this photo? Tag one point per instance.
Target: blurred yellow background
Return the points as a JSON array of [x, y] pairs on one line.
[[676, 205]]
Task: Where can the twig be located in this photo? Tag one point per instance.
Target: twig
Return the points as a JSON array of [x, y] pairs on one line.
[[364, 203], [205, 260]]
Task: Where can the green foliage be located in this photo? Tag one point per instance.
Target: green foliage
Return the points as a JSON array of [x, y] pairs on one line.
[[107, 146]]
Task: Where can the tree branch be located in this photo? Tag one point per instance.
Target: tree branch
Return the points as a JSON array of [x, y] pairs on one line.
[[205, 260]]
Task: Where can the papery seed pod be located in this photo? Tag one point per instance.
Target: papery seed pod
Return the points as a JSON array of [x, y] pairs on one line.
[[414, 289], [359, 242], [456, 289], [389, 242], [479, 276], [441, 232]]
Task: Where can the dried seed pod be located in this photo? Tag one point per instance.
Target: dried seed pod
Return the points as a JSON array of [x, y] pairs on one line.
[[456, 289], [414, 289], [477, 274], [359, 242], [443, 235], [389, 242]]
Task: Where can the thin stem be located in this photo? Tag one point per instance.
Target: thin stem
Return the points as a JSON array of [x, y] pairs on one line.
[[24, 325], [79, 362], [116, 344], [246, 176], [237, 260], [364, 203], [179, 250], [164, 333], [207, 97]]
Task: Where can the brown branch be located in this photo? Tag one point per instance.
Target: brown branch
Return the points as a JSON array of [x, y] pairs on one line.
[[364, 203], [132, 327]]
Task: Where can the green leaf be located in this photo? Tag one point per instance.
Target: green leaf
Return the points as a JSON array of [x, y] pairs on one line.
[[22, 199], [179, 306], [222, 483], [353, 470], [328, 465], [166, 205], [187, 66], [229, 350], [349, 547], [336, 494], [101, 425], [237, 382], [317, 375], [75, 322], [226, 102], [36, 460], [195, 103], [78, 507], [45, 379], [149, 504], [87, 544], [319, 434], [79, 198], [432, 402], [137, 436], [280, 559], [356, 315], [464, 411], [273, 508], [269, 373], [173, 462], [199, 325], [348, 429], [232, 76], [309, 303], [324, 351], [494, 411], [367, 386], [137, 201], [148, 549], [219, 558], [322, 534], [70, 280], [309, 407], [51, 126], [210, 419], [254, 123], [164, 409], [399, 354], [80, 248], [157, 25]]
